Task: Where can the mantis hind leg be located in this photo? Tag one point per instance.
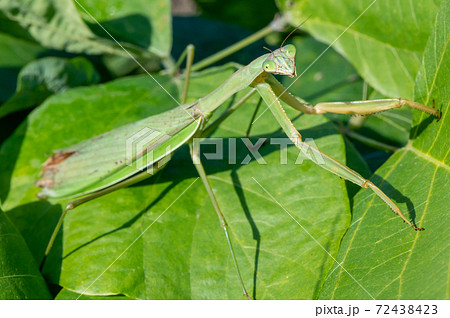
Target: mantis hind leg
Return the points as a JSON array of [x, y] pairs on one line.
[[318, 157]]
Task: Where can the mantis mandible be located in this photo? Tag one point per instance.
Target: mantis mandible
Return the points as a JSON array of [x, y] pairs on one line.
[[70, 172]]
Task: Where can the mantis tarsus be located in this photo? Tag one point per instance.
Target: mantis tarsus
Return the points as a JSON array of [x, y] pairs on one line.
[[73, 172]]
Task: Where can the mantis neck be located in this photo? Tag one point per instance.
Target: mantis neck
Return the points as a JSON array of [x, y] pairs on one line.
[[240, 80]]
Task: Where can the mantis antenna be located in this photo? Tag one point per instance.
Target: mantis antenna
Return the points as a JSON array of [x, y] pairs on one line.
[[295, 29]]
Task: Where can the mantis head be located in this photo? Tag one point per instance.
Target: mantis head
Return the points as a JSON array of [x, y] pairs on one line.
[[281, 61]]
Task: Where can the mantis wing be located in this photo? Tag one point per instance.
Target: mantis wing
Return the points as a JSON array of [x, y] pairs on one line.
[[85, 167], [109, 158]]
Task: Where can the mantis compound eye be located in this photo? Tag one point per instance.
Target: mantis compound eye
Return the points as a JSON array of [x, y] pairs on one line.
[[290, 50], [269, 66]]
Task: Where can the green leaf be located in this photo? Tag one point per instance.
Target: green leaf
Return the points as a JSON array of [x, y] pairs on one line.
[[19, 275], [146, 23], [184, 253], [385, 43], [56, 24], [388, 260], [14, 54], [41, 78]]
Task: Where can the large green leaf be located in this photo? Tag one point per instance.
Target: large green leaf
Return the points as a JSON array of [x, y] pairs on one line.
[[184, 253], [387, 260], [385, 44], [19, 275], [14, 54], [56, 24], [43, 77], [146, 23]]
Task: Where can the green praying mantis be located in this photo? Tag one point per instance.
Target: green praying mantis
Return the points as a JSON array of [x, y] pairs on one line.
[[98, 166]]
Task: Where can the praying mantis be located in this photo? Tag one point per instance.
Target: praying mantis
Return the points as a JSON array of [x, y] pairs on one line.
[[70, 172]]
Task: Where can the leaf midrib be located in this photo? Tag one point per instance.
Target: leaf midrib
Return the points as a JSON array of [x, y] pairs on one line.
[[427, 156]]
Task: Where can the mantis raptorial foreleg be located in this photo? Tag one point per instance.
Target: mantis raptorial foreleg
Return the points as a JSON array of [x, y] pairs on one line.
[[269, 95], [365, 107]]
